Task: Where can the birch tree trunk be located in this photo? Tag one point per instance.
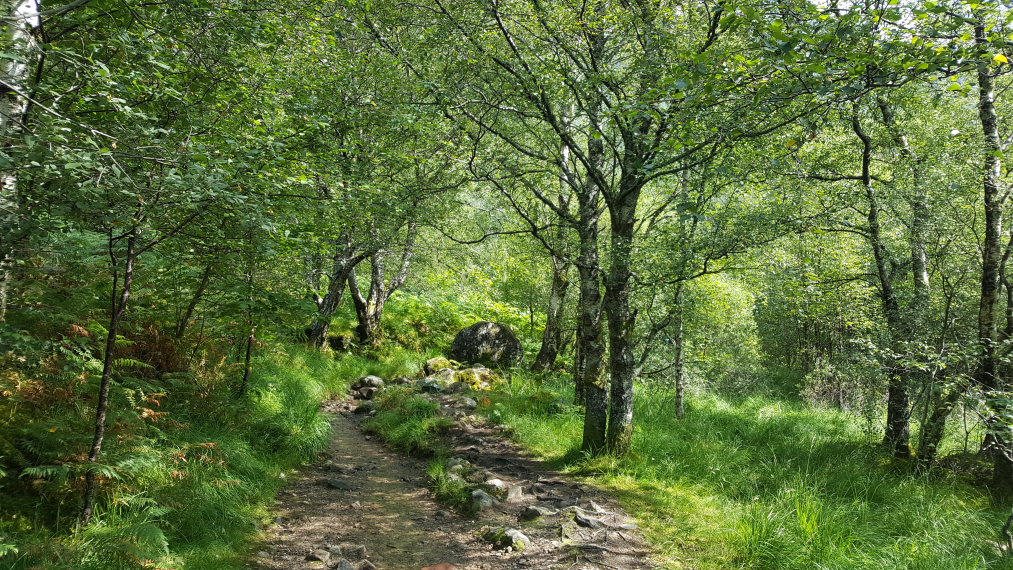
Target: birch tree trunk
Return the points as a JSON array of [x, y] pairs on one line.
[[21, 22], [621, 317], [589, 387], [997, 440]]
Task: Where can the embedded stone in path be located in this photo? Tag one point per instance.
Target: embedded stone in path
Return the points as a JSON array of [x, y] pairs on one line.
[[533, 513]]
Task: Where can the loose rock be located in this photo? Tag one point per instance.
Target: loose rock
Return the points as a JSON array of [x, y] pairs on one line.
[[480, 500], [318, 556], [515, 494], [507, 537], [434, 365], [495, 484], [370, 382], [353, 551], [340, 485], [342, 564]]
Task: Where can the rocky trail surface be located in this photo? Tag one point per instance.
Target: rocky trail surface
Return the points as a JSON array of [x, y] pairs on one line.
[[364, 506]]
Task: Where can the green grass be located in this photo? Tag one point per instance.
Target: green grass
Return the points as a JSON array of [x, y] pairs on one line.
[[762, 484]]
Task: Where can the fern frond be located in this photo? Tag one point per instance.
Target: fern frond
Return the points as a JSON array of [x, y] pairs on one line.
[[131, 363]]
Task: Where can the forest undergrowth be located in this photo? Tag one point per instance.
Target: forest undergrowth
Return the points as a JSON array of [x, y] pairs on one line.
[[188, 479]]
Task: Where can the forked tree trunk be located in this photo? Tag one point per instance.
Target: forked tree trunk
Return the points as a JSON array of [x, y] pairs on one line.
[[344, 260], [369, 310], [184, 321], [117, 308]]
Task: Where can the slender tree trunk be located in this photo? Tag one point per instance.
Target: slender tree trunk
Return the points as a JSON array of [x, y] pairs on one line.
[[621, 317], [998, 440], [898, 431], [119, 299], [329, 304], [184, 321], [365, 314], [244, 384], [680, 364], [553, 334]]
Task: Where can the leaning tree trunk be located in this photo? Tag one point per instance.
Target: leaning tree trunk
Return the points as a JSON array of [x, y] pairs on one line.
[[934, 429], [898, 431], [553, 335], [117, 308], [998, 440], [184, 320]]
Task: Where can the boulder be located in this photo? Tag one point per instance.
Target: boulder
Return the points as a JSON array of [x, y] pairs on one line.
[[444, 376], [457, 388], [370, 382], [487, 343]]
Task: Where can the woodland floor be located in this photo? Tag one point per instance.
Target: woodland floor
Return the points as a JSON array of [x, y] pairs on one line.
[[388, 508]]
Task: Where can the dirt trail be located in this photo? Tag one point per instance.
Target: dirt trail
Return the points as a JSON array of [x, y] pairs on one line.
[[364, 494]]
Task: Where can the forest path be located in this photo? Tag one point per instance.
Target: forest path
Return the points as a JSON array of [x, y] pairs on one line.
[[363, 494]]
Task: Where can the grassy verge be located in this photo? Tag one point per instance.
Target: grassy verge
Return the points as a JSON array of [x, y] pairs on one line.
[[762, 484], [188, 485], [411, 423]]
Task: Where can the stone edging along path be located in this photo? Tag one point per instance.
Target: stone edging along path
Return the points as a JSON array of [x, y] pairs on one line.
[[364, 506]]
